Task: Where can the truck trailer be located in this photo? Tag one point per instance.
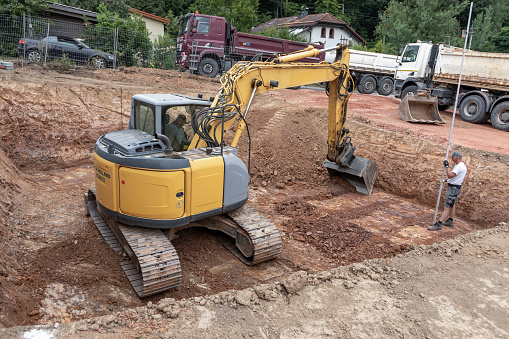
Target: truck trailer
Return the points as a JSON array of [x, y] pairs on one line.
[[209, 44], [484, 91], [371, 71]]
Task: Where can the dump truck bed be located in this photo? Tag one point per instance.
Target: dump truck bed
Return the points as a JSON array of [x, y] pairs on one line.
[[481, 69]]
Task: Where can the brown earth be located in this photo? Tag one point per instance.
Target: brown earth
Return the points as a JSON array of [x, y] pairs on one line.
[[55, 267]]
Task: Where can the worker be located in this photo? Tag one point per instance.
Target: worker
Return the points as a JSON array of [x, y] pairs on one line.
[[455, 178], [175, 132]]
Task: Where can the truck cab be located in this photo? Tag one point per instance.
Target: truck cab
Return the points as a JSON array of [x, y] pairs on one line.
[[415, 65], [201, 39]]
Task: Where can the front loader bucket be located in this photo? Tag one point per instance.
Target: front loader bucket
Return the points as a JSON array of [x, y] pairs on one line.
[[420, 108], [359, 172]]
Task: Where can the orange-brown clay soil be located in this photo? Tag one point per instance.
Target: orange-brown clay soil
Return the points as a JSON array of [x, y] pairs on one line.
[[55, 267]]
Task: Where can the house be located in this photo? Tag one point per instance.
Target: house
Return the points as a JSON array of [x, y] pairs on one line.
[[322, 27], [65, 20], [155, 24]]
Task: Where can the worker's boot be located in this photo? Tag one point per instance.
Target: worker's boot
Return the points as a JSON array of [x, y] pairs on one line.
[[448, 223], [436, 226]]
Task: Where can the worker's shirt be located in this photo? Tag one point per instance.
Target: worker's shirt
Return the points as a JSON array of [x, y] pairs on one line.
[[177, 136], [460, 170]]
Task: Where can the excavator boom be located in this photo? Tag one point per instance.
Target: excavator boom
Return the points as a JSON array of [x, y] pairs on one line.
[[247, 79]]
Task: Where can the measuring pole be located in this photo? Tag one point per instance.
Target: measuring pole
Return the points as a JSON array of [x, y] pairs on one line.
[[453, 114]]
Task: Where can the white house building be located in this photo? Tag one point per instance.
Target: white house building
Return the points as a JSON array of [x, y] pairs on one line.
[[155, 24], [322, 27]]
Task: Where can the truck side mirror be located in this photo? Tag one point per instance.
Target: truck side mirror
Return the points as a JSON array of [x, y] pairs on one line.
[[195, 23]]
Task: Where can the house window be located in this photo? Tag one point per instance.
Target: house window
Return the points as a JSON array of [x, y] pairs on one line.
[[324, 33], [331, 33]]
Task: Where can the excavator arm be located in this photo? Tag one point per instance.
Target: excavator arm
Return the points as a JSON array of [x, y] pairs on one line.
[[247, 79]]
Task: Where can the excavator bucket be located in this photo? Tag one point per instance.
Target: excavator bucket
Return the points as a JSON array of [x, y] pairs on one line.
[[420, 108], [359, 172]]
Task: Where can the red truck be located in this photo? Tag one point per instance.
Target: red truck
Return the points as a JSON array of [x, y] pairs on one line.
[[209, 44]]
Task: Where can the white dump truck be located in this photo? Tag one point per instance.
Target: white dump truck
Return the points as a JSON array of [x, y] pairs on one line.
[[371, 71], [484, 92]]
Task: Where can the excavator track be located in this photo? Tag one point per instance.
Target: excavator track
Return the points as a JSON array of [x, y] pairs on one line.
[[262, 233], [154, 266]]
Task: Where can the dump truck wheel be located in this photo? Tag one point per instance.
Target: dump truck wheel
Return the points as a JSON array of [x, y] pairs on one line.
[[412, 90], [473, 109], [368, 84], [385, 87], [208, 67], [500, 116]]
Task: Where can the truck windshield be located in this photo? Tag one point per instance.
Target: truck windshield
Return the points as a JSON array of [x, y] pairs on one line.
[[184, 24], [410, 54]]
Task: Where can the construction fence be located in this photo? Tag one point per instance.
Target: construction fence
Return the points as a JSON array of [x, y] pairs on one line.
[[39, 40]]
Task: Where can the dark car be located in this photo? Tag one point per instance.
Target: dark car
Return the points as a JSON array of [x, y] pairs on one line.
[[58, 46]]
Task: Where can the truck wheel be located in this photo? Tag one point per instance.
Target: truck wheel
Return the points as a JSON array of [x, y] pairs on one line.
[[500, 116], [367, 84], [385, 87], [473, 109], [208, 67], [412, 90]]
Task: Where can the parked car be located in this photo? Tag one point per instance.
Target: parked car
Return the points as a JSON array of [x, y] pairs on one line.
[[58, 46]]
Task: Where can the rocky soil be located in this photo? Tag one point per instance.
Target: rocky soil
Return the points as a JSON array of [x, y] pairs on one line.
[[55, 269]]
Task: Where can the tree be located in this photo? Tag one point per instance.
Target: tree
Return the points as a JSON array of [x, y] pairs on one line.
[[243, 13], [282, 33], [501, 40], [410, 20], [134, 45], [20, 7], [483, 31], [333, 7]]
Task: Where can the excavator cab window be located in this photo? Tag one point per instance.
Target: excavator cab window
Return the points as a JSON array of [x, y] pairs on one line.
[[144, 117]]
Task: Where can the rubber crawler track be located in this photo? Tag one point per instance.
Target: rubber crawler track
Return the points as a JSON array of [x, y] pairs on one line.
[[159, 265]]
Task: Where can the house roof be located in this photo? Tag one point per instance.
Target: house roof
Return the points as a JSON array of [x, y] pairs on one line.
[[149, 16], [71, 11], [311, 20]]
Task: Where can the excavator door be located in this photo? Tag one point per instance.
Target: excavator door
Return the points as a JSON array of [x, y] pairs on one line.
[[420, 108]]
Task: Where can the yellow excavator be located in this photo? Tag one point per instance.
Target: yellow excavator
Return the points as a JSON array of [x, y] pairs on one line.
[[145, 191]]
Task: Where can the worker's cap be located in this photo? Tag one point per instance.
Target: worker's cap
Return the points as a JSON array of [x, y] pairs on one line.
[[182, 116], [456, 154]]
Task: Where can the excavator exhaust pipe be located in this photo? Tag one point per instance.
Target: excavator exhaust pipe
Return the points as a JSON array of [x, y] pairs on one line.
[[420, 108]]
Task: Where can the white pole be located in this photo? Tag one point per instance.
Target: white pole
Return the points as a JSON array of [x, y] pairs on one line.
[[453, 114]]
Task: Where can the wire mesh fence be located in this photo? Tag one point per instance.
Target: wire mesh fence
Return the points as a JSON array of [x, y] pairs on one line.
[[40, 40]]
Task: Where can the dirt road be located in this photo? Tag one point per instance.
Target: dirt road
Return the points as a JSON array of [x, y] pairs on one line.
[[55, 267]]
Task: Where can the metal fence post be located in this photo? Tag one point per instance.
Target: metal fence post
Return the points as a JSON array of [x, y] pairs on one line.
[[25, 44], [47, 41], [115, 46]]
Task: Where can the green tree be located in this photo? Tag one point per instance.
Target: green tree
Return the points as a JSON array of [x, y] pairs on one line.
[[483, 31], [410, 20], [282, 33], [501, 40], [134, 45], [243, 13], [20, 7], [332, 7]]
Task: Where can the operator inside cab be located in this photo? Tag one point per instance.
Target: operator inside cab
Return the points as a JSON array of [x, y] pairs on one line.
[[175, 132]]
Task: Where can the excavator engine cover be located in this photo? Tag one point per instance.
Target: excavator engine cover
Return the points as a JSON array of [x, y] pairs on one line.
[[420, 108]]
